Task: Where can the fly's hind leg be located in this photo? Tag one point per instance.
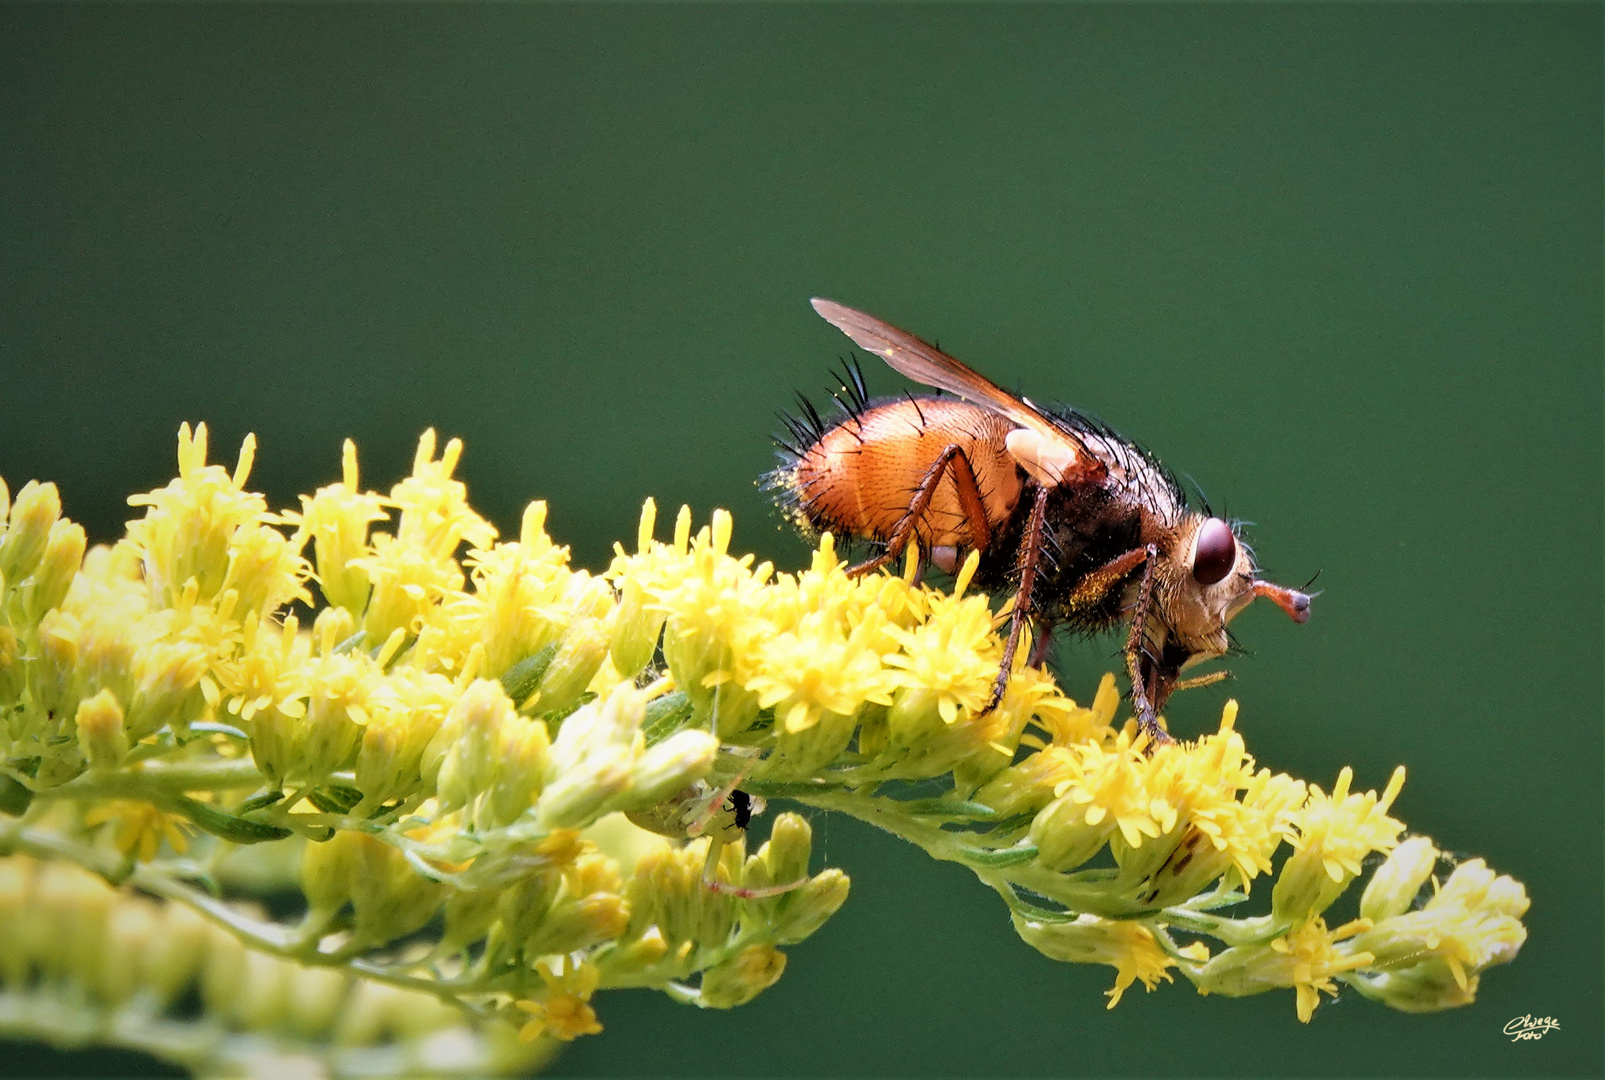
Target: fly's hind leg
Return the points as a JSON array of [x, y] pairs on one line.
[[1042, 647], [1024, 605], [952, 459]]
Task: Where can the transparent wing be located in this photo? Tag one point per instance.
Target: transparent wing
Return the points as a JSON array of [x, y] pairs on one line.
[[925, 363]]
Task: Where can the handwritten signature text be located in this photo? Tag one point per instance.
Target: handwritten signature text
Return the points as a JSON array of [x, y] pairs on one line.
[[1530, 1027]]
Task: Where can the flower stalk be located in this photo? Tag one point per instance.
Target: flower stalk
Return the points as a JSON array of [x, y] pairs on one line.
[[446, 756]]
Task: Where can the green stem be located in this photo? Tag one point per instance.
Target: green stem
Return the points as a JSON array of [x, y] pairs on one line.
[[950, 847], [42, 844], [1254, 931], [152, 779]]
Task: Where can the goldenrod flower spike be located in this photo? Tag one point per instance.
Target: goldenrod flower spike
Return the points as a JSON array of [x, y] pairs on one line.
[[486, 771]]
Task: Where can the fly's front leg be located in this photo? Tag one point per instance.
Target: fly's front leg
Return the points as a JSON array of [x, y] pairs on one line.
[[1093, 589], [1198, 682], [952, 459], [1142, 695]]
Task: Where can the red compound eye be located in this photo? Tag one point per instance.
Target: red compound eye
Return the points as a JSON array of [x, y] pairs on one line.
[[1216, 553]]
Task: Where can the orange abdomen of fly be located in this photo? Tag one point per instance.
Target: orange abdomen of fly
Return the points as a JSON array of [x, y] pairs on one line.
[[858, 477]]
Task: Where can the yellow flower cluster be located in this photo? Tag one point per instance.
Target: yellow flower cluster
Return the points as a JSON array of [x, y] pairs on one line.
[[454, 732]]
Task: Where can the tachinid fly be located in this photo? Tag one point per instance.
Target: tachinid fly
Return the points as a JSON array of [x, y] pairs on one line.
[[1087, 528]]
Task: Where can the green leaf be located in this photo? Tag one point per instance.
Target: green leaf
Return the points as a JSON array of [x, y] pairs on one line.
[[257, 802], [991, 857], [14, 798], [236, 830], [523, 677], [665, 716]]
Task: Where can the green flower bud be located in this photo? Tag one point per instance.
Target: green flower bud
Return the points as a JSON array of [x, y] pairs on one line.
[[52, 679], [1307, 886], [16, 902], [1192, 867], [524, 752], [391, 761], [129, 932], [579, 657], [592, 760], [390, 899], [276, 744], [702, 670], [1467, 887], [1023, 788], [313, 999], [1426, 987], [579, 923], [1062, 835], [13, 674], [223, 974], [1393, 888], [672, 765], [1141, 862], [176, 952], [1471, 941], [470, 765], [168, 692], [64, 553], [469, 914], [913, 718], [67, 902], [327, 870], [806, 909], [36, 510], [266, 1001], [784, 856], [634, 631], [1244, 970], [100, 731], [106, 652], [666, 890], [1471, 924], [806, 752], [741, 978], [874, 732], [522, 908], [1507, 896]]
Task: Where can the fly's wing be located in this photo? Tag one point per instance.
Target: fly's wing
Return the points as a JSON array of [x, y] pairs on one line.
[[925, 363]]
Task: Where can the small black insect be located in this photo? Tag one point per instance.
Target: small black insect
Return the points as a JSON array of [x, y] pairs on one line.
[[740, 804]]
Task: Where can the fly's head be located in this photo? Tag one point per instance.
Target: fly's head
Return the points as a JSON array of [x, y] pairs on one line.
[[1211, 577]]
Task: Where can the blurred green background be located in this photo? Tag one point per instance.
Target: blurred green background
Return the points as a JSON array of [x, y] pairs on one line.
[[1340, 263]]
